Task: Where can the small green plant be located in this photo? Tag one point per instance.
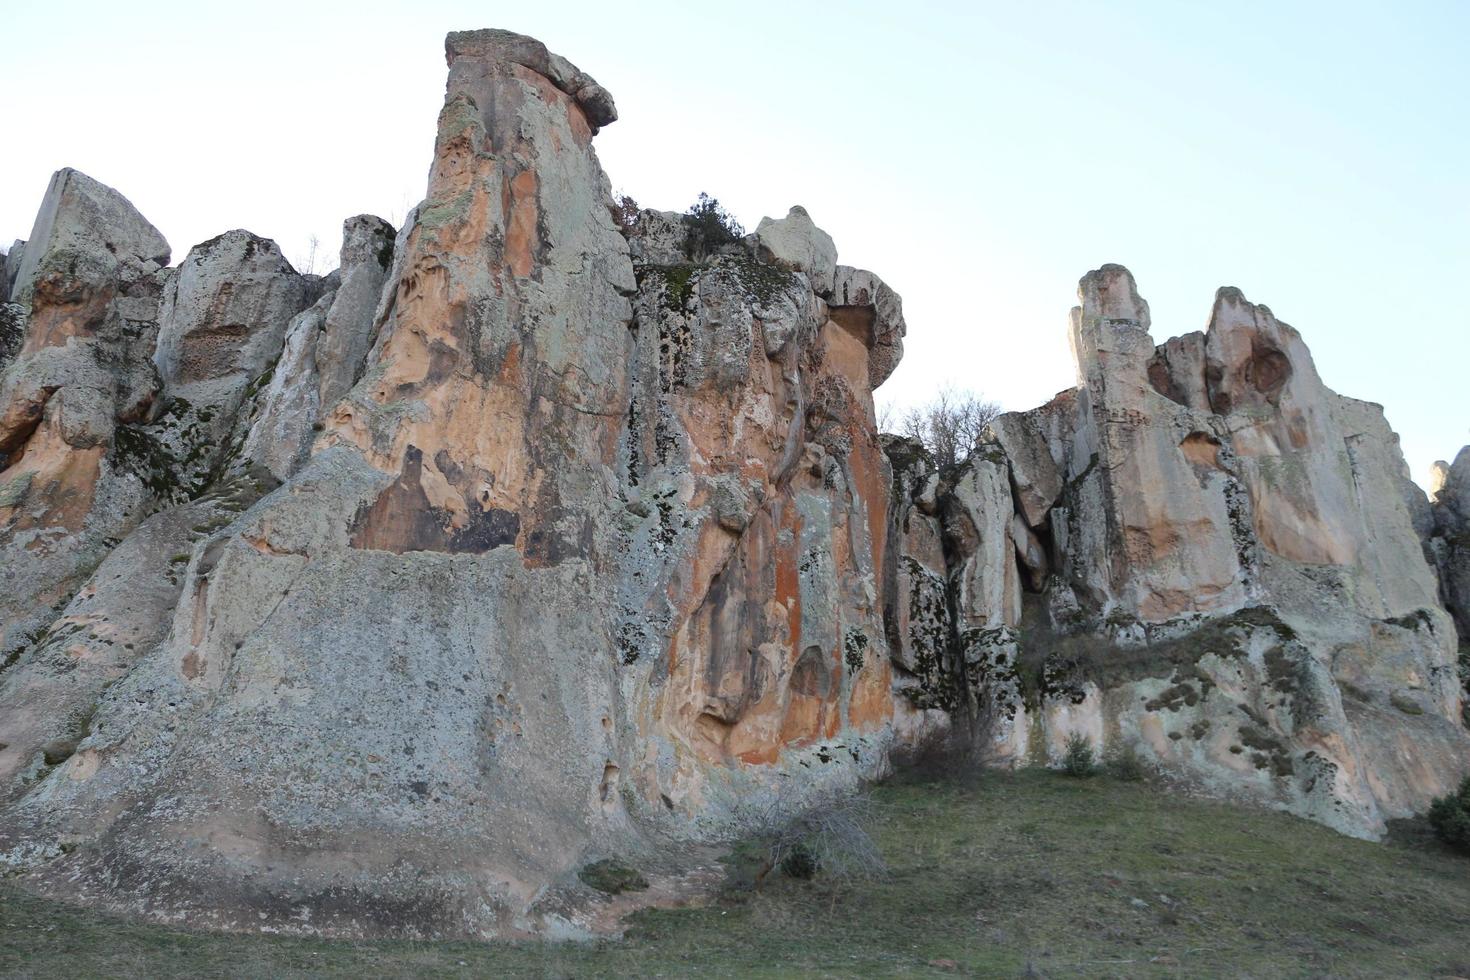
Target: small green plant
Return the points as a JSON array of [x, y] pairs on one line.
[[612, 877], [1128, 765], [1450, 817], [708, 227], [1078, 758]]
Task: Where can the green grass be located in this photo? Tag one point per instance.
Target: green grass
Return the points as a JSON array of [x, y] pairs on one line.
[[1032, 872]]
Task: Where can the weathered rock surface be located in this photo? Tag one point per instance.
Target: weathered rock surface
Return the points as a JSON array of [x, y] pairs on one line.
[[325, 351], [570, 560], [1450, 536], [1220, 568], [91, 285], [795, 242], [12, 332], [12, 267], [756, 482], [223, 322], [386, 602], [84, 220]]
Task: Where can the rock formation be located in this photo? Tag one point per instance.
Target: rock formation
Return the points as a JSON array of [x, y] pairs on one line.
[[1202, 554], [1448, 531], [385, 603]]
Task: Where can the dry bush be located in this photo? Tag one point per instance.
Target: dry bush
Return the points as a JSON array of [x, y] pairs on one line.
[[624, 213], [963, 753], [827, 834], [950, 425]]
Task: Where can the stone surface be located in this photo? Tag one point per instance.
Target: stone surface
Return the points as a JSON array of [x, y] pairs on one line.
[[13, 260], [1450, 538], [348, 331], [390, 600], [795, 242], [12, 332], [290, 415], [80, 217], [866, 304], [595, 103], [1222, 569], [325, 352], [571, 541], [48, 696], [82, 372], [658, 238]]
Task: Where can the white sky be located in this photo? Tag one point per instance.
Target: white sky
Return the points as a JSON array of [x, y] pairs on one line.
[[979, 156]]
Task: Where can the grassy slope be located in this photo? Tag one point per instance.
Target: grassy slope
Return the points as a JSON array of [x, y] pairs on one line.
[[1034, 871]]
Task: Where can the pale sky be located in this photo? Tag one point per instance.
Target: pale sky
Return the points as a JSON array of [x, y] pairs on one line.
[[980, 157]]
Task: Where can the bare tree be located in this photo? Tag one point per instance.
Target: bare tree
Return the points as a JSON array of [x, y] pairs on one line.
[[307, 263], [624, 212], [887, 415], [950, 425]]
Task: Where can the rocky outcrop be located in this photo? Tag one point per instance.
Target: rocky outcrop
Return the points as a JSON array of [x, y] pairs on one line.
[[385, 603], [13, 259], [755, 475], [796, 243], [558, 534], [325, 352], [1450, 536], [1220, 569], [224, 319], [90, 280], [88, 223]]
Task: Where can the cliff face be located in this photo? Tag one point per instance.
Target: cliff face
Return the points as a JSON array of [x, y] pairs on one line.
[[385, 602], [492, 554], [1203, 554]]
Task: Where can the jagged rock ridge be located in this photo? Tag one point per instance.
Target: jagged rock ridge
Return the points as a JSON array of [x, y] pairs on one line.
[[385, 602], [1203, 554]]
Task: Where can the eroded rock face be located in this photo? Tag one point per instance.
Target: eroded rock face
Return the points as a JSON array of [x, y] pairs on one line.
[[795, 242], [1450, 536], [571, 559], [91, 283], [13, 259], [325, 351], [756, 480], [382, 604], [84, 220], [1219, 568]]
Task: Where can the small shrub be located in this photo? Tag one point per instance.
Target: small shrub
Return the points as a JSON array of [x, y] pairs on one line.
[[964, 753], [800, 863], [1450, 817], [624, 213], [949, 756], [1078, 758], [612, 877], [828, 835], [1128, 765], [708, 227]]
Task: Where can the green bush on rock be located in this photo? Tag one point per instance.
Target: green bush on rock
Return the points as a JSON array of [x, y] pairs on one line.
[[1450, 817]]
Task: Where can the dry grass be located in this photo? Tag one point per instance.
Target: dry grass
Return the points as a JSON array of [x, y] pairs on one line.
[[1012, 874]]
